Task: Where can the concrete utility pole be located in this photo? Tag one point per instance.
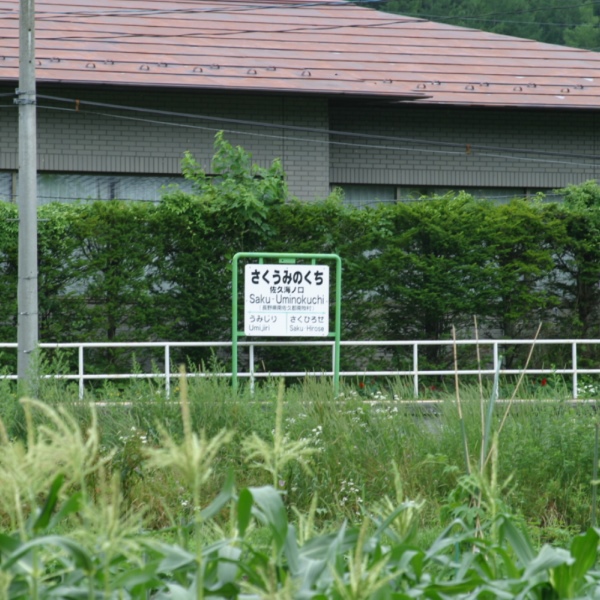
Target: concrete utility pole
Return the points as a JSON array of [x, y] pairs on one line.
[[27, 333]]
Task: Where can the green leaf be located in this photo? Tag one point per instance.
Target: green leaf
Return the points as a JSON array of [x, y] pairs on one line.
[[291, 551], [80, 556], [43, 519], [518, 541], [383, 526], [174, 557], [323, 545], [584, 549], [224, 496], [142, 577], [176, 592], [568, 578], [548, 558], [448, 539], [8, 544], [270, 510], [228, 567], [71, 506], [508, 561], [244, 510]]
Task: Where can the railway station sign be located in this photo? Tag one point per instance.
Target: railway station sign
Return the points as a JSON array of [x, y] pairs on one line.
[[286, 300]]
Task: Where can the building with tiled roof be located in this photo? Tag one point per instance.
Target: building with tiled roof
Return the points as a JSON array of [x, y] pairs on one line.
[[382, 105]]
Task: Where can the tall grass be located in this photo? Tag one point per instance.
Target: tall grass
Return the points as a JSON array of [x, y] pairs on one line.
[[545, 450], [255, 496]]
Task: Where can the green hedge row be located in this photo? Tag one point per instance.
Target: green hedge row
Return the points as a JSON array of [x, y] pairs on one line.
[[139, 271]]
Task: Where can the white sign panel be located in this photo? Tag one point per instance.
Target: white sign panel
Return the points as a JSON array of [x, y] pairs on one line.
[[286, 300]]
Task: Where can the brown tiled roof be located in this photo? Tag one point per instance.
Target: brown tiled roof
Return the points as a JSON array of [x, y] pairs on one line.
[[295, 46]]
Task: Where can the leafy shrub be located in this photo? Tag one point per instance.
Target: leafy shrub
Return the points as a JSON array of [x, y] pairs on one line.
[[116, 270]]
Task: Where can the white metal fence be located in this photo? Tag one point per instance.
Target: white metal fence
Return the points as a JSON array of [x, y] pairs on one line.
[[491, 349]]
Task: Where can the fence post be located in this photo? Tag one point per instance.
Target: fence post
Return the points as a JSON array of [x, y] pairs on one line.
[[416, 369], [80, 370], [167, 371], [574, 359], [497, 366], [251, 367]]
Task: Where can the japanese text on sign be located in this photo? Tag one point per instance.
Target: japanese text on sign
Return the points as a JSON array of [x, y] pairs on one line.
[[290, 300]]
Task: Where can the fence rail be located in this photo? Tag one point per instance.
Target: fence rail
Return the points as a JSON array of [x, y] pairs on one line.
[[493, 360]]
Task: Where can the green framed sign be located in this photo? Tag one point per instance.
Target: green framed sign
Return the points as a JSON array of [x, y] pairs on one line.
[[285, 298]]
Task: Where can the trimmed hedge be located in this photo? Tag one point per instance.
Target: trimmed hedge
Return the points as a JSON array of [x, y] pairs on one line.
[[130, 271]]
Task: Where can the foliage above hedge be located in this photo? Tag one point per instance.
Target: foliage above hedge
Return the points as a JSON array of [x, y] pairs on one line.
[[131, 271]]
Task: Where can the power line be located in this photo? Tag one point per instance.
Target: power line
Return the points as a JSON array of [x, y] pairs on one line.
[[238, 8], [507, 153], [234, 8], [245, 7], [111, 35], [261, 6], [514, 154], [319, 130], [118, 35], [429, 151]]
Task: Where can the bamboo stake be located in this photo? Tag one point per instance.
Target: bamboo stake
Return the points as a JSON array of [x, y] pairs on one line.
[[595, 479], [514, 394], [459, 406], [481, 402]]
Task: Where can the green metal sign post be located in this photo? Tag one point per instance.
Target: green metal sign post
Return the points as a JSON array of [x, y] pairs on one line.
[[286, 308]]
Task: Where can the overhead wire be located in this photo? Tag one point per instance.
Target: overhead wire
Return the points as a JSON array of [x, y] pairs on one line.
[[510, 154], [306, 129], [386, 148], [218, 34], [246, 6], [116, 35], [507, 155], [112, 35], [330, 132], [235, 7], [260, 5]]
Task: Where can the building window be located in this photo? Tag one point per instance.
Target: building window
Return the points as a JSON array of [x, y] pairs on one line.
[[6, 186], [75, 187], [61, 187], [498, 195], [369, 195]]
